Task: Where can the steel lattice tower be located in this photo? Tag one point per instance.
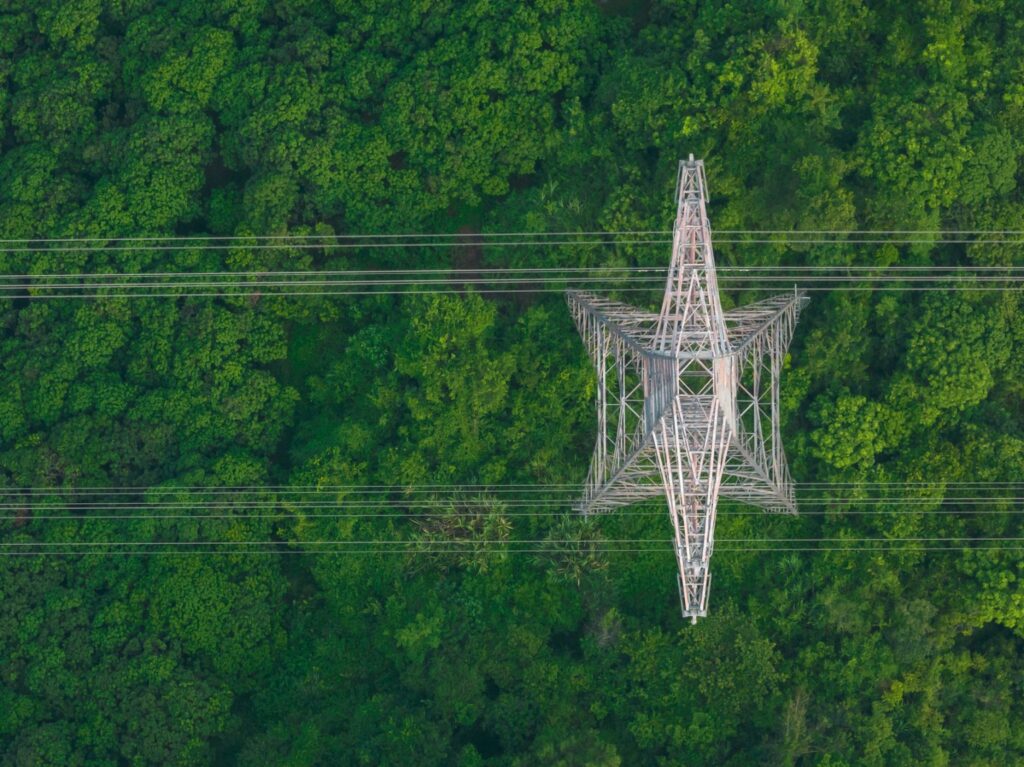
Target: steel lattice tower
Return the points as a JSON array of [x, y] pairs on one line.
[[688, 398]]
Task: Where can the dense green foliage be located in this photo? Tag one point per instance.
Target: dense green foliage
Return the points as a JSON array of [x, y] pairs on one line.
[[266, 117]]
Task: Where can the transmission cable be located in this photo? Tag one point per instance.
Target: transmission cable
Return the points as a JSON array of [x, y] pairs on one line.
[[457, 487], [412, 543], [249, 294], [484, 234], [755, 280], [495, 552], [476, 238], [445, 503], [547, 273], [450, 516]]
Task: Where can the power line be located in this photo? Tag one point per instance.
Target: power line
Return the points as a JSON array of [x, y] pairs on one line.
[[366, 278], [483, 235], [869, 269], [544, 281], [455, 291], [371, 502], [458, 487], [492, 552], [454, 503], [478, 242], [208, 489], [539, 514], [498, 275], [413, 543], [426, 276], [468, 235], [367, 498]]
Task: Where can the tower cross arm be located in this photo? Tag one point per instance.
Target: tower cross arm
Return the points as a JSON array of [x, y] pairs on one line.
[[634, 327], [745, 323]]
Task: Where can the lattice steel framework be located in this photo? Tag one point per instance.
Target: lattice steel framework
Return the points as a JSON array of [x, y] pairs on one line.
[[688, 398]]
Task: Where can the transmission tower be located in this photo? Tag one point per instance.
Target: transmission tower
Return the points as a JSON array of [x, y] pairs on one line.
[[688, 398]]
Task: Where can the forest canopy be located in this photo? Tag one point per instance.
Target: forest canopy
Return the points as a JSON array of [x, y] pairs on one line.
[[264, 118]]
